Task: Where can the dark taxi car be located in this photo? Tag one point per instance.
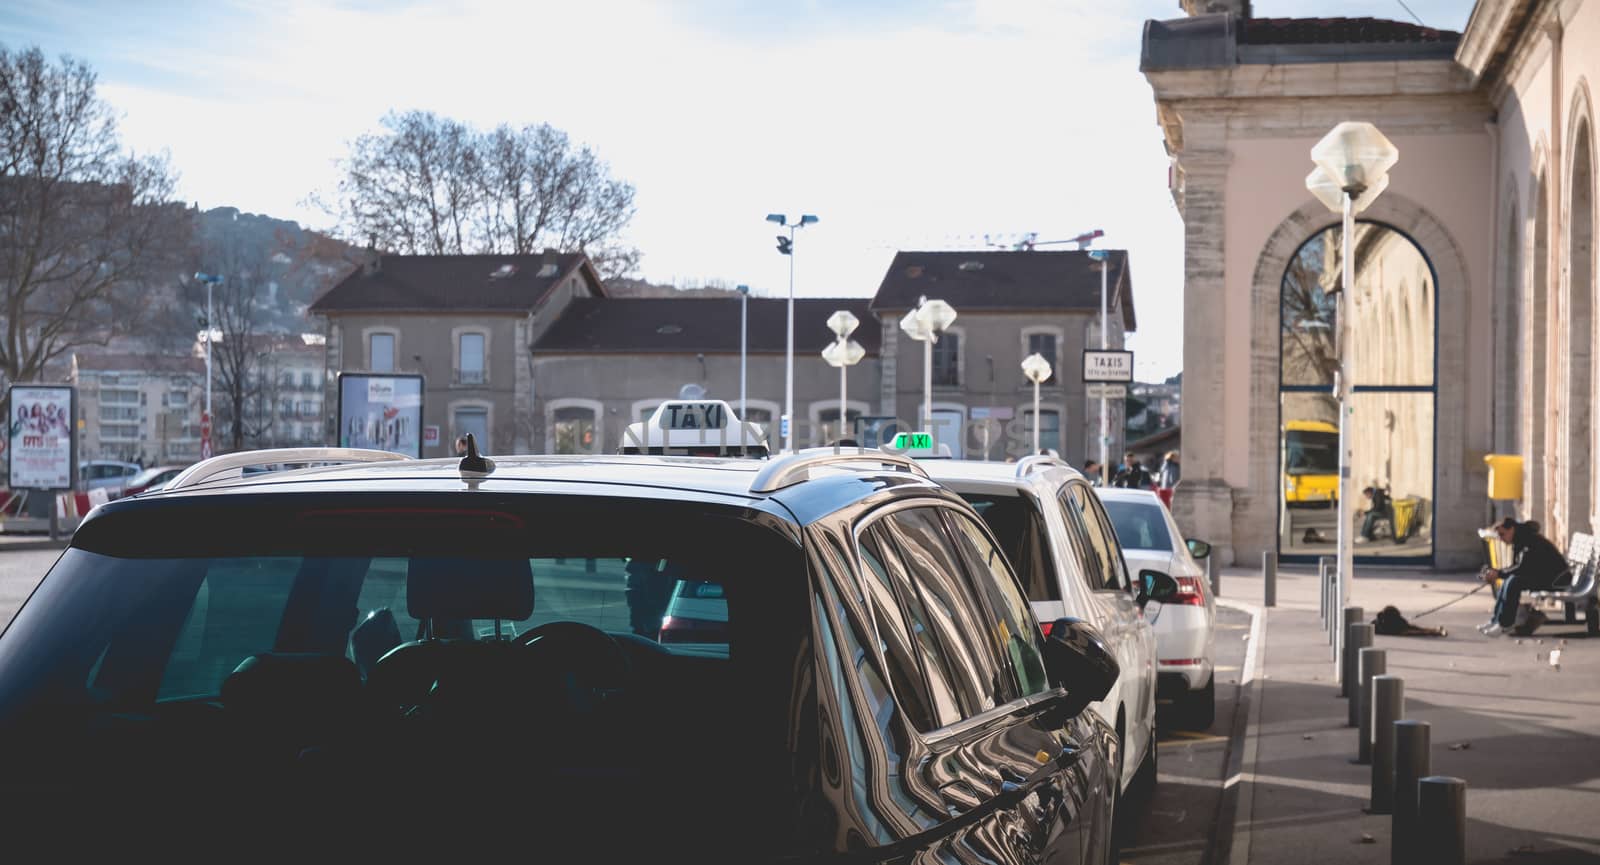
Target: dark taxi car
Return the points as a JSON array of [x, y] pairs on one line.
[[409, 648]]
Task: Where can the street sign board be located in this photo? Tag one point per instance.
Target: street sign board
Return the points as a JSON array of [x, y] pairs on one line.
[[993, 412], [1100, 390], [1107, 365], [430, 435], [41, 445], [381, 412]]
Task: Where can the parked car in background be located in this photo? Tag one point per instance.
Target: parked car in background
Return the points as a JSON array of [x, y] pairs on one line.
[[1185, 625], [151, 478], [1054, 531], [109, 475]]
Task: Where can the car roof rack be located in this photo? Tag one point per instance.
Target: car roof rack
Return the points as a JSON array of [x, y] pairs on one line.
[[1039, 462], [205, 470], [794, 468]]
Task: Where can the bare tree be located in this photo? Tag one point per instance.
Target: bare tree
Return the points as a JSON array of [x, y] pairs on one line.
[[87, 230], [432, 185]]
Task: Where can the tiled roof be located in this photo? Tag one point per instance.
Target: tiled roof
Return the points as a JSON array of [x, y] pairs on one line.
[[1337, 31], [464, 283], [690, 325], [1005, 281]]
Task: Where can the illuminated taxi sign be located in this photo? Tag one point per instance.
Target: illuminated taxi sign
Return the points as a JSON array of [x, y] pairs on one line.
[[695, 427], [916, 441]]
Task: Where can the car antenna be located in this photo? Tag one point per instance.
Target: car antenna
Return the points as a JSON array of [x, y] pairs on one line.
[[473, 462]]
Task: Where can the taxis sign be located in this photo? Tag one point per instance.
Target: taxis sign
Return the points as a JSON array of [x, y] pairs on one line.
[[712, 415]]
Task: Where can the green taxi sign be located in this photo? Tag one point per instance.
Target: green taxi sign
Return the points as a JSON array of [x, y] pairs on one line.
[[917, 441]]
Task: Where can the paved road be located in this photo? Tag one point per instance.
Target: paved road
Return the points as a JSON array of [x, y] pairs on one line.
[[1177, 819], [20, 571]]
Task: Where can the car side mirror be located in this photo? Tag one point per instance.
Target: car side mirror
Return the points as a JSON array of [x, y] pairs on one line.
[[1155, 586], [1077, 658], [1199, 549]]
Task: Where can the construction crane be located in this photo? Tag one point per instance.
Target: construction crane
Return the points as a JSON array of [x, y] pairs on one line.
[[1031, 240]]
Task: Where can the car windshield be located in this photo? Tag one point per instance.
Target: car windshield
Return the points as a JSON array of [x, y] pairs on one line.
[[1019, 527], [1139, 525], [412, 640]]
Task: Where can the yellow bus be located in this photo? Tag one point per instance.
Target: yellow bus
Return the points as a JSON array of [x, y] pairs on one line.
[[1310, 463]]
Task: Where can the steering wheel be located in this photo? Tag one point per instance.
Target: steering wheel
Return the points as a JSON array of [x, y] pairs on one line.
[[586, 659]]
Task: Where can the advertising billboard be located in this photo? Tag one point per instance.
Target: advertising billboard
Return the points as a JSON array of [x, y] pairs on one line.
[[39, 438], [381, 412]]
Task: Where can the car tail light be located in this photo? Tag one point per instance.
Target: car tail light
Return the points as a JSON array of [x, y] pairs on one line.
[[1188, 593], [1181, 662]]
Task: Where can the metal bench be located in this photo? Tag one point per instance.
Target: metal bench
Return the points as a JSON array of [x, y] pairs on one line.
[[1580, 591]]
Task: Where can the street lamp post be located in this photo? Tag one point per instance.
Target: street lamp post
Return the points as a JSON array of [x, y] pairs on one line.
[[744, 342], [205, 420], [843, 353], [1104, 258], [1037, 369], [786, 247], [924, 324], [1352, 162]]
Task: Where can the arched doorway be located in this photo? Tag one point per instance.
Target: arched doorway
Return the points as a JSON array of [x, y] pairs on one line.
[[1578, 441], [1391, 428]]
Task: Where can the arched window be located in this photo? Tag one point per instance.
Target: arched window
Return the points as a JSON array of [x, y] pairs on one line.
[[1390, 361]]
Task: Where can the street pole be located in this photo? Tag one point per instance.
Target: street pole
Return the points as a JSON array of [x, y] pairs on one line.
[[1344, 386], [841, 400], [1105, 417], [788, 374], [927, 382], [1036, 417], [205, 444], [744, 342]]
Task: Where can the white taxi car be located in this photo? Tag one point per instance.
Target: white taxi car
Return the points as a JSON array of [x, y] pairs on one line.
[[1064, 549], [701, 428], [1185, 624]]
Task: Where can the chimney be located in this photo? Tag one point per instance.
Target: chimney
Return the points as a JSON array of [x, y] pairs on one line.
[[372, 263], [1236, 8]]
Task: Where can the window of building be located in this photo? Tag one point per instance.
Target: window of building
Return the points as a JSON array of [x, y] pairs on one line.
[[1049, 428], [947, 360], [469, 358], [575, 430], [380, 352], [475, 420], [307, 379], [1045, 344]]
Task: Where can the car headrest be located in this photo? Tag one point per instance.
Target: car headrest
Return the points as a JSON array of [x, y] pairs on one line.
[[285, 682], [461, 588]]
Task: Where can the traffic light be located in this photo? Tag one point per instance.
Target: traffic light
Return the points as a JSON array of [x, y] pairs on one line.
[[785, 245]]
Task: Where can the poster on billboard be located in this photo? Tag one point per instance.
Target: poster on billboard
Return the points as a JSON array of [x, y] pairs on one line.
[[381, 412], [39, 437]]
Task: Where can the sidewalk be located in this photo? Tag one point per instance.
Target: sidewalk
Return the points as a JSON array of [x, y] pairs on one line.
[[1524, 736], [17, 542]]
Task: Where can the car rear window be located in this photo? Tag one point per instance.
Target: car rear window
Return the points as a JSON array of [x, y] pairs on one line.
[[385, 615], [1139, 525], [1019, 527]]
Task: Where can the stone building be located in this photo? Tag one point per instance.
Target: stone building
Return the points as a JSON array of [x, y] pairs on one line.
[[138, 407], [1472, 323], [466, 323]]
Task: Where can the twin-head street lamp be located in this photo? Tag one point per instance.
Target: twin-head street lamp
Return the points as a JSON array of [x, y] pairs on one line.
[[205, 421], [786, 246], [843, 353], [1037, 369], [924, 324], [744, 342], [1352, 163]]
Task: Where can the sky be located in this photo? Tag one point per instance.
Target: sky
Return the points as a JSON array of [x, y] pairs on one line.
[[900, 124]]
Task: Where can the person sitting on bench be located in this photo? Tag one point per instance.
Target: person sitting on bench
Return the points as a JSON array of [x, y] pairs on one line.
[[1536, 564]]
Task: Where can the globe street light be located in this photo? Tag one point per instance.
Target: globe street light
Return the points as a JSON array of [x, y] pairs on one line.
[[1037, 369], [205, 420], [786, 247], [1352, 162], [843, 353], [924, 324]]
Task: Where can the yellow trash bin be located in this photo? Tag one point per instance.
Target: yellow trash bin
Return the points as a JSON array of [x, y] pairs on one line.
[[1505, 476]]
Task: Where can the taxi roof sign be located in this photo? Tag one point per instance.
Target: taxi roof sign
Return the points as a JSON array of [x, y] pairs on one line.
[[697, 427], [920, 444]]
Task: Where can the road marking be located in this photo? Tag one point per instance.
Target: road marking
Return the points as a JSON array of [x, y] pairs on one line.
[[1241, 758]]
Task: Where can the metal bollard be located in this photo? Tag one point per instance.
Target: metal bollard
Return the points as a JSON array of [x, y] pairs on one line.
[[1214, 577], [1346, 668], [1322, 591], [1370, 662], [1442, 819], [1269, 579], [1411, 764], [1388, 706]]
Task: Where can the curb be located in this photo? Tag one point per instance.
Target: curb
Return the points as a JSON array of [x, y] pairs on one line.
[[41, 544], [1230, 831]]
